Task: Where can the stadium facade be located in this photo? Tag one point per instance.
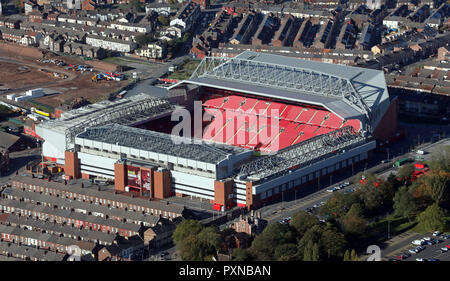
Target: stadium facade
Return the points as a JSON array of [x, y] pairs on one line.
[[327, 117]]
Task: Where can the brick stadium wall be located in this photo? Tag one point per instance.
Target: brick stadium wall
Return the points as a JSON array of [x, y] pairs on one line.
[[21, 50], [387, 127]]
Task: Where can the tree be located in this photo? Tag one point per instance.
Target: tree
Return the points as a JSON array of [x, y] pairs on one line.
[[274, 235], [286, 252], [338, 205], [17, 4], [353, 256], [332, 243], [405, 204], [440, 158], [136, 4], [347, 256], [163, 20], [354, 223], [185, 239], [311, 236], [302, 221], [144, 39], [239, 254], [433, 218], [439, 185], [315, 255], [210, 240], [405, 171], [185, 229]]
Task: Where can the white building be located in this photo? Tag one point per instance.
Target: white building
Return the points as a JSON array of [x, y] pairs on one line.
[[187, 16], [111, 44]]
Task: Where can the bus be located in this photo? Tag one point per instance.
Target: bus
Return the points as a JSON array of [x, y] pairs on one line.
[[400, 162]]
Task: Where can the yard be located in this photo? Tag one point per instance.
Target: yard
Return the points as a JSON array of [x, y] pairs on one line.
[[184, 70]]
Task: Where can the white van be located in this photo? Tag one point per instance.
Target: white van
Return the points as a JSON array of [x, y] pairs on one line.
[[418, 242]]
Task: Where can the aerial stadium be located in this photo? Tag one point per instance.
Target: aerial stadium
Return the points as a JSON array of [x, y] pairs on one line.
[[274, 124]]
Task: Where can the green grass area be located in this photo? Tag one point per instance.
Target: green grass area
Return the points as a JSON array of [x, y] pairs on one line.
[[41, 106], [396, 225], [97, 99], [419, 229], [184, 70]]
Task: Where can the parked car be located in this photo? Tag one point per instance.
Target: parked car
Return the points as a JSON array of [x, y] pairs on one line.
[[444, 249], [420, 259], [427, 238], [437, 241], [413, 251], [417, 242], [447, 246], [436, 233], [433, 259], [331, 189]]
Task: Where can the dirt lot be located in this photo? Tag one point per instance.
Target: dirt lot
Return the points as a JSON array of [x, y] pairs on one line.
[[22, 73], [18, 76]]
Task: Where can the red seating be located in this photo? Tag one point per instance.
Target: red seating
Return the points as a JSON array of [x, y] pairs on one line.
[[214, 103], [355, 123], [333, 121], [248, 105], [275, 109], [233, 102], [293, 112], [260, 107], [248, 123], [306, 114], [318, 117]]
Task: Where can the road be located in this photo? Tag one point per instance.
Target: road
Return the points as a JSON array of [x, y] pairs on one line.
[[431, 251], [18, 160]]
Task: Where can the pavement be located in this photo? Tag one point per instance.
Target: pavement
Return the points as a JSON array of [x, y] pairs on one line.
[[430, 251]]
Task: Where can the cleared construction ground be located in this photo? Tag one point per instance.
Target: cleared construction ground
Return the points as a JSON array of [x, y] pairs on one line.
[[22, 71]]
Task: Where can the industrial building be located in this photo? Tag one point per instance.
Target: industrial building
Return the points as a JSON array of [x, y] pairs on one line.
[[325, 117]]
